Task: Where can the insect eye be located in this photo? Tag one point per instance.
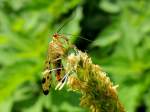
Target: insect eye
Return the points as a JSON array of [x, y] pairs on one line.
[[55, 36], [43, 80]]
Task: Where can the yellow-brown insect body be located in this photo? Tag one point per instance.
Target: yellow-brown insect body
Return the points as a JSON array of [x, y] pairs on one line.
[[56, 50]]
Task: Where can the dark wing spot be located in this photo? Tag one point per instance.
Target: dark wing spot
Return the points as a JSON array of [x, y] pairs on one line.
[[43, 80], [46, 92], [58, 63], [47, 77]]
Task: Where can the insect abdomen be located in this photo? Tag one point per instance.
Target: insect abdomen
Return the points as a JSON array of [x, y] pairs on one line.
[[58, 64]]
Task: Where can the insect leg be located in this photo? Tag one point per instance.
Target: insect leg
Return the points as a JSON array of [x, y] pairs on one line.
[[63, 81]]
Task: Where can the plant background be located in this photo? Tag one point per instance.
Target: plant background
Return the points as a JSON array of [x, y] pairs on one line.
[[119, 31]]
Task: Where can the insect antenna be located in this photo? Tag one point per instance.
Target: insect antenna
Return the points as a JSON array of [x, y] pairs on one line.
[[65, 23], [79, 37]]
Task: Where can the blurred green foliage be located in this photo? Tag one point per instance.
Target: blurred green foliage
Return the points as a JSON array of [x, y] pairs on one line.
[[119, 30]]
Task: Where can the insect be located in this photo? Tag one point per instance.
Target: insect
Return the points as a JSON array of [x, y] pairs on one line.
[[57, 50]]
